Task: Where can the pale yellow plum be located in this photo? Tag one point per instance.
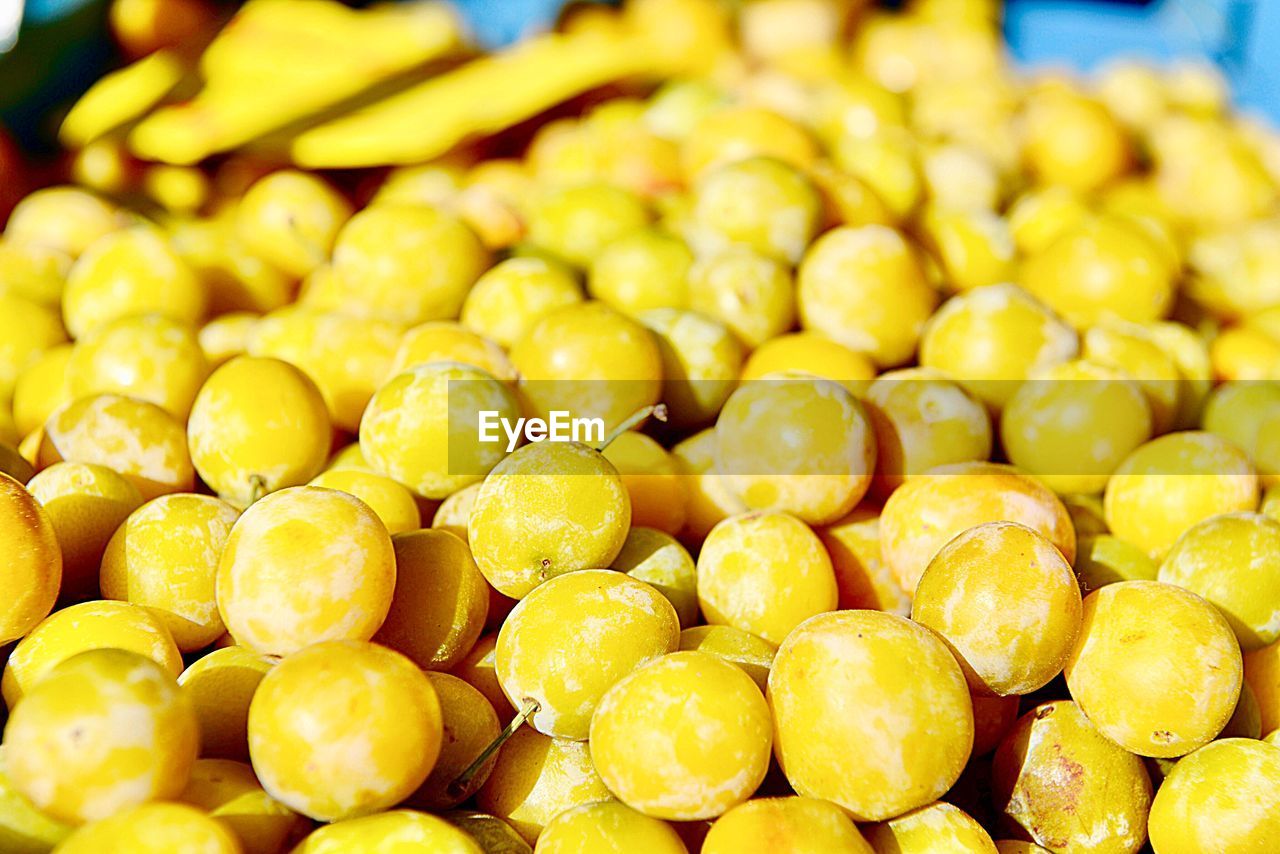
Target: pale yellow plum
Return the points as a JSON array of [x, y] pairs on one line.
[[343, 729], [67, 219], [547, 509], [28, 329], [129, 272], [879, 739], [1239, 412], [810, 353], [221, 685], [701, 360], [235, 279], [470, 725], [764, 573], [929, 510], [608, 827], [761, 203], [684, 737], [440, 601], [154, 828], [863, 577], [36, 273], [793, 824], [136, 439], [865, 288], [1018, 846], [164, 556], [103, 731], [450, 341], [41, 388], [1243, 353], [1233, 561], [346, 357], [1058, 780], [803, 445], [84, 627], [576, 222], [652, 480], [479, 669], [1006, 602], [23, 827], [643, 270], [1131, 348], [1173, 482], [923, 419], [657, 558], [258, 425], [536, 778], [305, 565], [750, 293], [1103, 559], [960, 178], [1161, 694], [85, 504], [1246, 720], [394, 504], [708, 499], [1222, 797], [1041, 214], [515, 294], [1073, 424], [887, 159], [291, 219], [229, 792], [734, 133], [990, 338], [148, 357], [227, 336], [590, 361], [940, 826], [570, 640], [404, 263], [753, 654], [454, 512], [1073, 140], [389, 831], [422, 427]]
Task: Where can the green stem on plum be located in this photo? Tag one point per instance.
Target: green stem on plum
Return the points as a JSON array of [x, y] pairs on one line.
[[658, 411], [459, 785]]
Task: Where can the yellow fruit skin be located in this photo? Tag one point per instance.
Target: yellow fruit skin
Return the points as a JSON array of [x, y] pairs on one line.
[[450, 341], [228, 791], [304, 565], [1222, 797], [863, 577], [684, 737], [64, 218], [478, 669], [1006, 602], [1159, 694], [1262, 671], [393, 503], [455, 511], [809, 353], [344, 729], [1171, 483], [652, 480], [136, 439], [879, 739], [1233, 561], [608, 827], [440, 601], [155, 828], [42, 388], [23, 828], [516, 293], [29, 585], [83, 627], [600, 616], [764, 573], [386, 832], [165, 557], [291, 219], [517, 528], [657, 558], [1103, 559], [258, 418], [1059, 780], [103, 731], [937, 827], [27, 329], [538, 777], [927, 511], [470, 725], [785, 824], [221, 686]]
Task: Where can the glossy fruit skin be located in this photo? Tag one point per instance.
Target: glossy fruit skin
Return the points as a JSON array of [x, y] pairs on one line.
[[753, 654], [750, 293], [1262, 672], [761, 203], [229, 791], [330, 539], [28, 329], [1194, 655], [646, 269], [291, 218], [608, 826], [65, 218], [515, 528], [684, 737], [652, 480], [810, 353], [449, 341], [394, 503], [939, 826], [1223, 795], [658, 559], [574, 223], [599, 616], [863, 577], [1103, 559], [785, 824], [818, 733], [68, 748], [30, 830], [470, 725], [154, 828], [1061, 781], [701, 360], [515, 294], [764, 573], [1006, 602], [30, 585], [221, 686], [374, 833], [352, 696]]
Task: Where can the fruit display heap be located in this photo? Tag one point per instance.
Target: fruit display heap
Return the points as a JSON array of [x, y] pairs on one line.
[[935, 500]]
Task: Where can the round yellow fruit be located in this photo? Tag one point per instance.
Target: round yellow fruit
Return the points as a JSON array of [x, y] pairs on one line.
[[515, 294], [657, 558], [42, 388], [291, 218], [760, 203], [701, 359], [148, 357], [454, 512], [750, 293], [785, 824], [652, 480], [575, 223], [450, 341], [67, 219], [221, 685], [643, 270], [229, 792], [863, 577], [155, 828], [393, 503], [30, 583], [810, 353], [470, 725], [24, 828], [27, 330], [608, 827], [938, 827], [1103, 559], [386, 832]]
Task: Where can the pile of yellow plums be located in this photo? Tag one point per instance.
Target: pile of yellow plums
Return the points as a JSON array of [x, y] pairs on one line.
[[926, 501]]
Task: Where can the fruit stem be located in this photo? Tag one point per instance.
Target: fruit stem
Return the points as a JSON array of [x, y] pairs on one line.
[[257, 488], [459, 786], [658, 411]]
